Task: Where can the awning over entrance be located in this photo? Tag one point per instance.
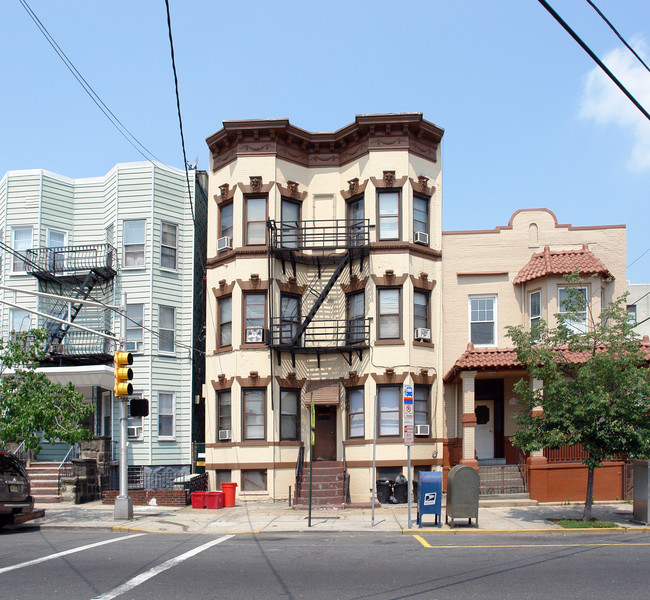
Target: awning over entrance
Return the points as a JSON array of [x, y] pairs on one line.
[[325, 392]]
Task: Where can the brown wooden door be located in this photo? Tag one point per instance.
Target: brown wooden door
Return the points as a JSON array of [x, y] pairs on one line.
[[325, 433]]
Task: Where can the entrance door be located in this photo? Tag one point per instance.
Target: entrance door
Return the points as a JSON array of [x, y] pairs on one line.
[[484, 411], [325, 433]]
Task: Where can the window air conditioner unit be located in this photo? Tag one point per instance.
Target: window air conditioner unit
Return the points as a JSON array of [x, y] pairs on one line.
[[224, 243], [422, 238], [423, 334], [421, 430], [134, 432], [224, 434], [133, 346], [254, 335]]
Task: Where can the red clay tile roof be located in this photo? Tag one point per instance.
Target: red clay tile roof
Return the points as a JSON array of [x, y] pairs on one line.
[[505, 359], [562, 262]]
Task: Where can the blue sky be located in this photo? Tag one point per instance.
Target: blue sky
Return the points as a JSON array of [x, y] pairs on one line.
[[529, 122]]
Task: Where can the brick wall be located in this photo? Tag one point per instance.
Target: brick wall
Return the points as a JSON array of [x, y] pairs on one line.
[[163, 497]]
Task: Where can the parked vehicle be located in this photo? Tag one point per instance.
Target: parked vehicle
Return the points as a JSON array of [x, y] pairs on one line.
[[16, 501]]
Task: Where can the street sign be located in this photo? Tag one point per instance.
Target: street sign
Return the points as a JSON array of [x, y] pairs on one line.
[[409, 434], [408, 392]]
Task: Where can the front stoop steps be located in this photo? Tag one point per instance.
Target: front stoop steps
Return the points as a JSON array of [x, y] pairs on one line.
[[328, 485], [44, 477]]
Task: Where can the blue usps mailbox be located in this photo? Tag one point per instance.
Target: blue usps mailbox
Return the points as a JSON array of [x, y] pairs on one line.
[[430, 496]]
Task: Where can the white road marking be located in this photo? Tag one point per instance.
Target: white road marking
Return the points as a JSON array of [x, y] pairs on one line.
[[66, 552], [172, 562]]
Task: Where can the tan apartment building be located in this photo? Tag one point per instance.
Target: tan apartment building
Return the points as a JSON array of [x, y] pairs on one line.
[[324, 286], [514, 275]]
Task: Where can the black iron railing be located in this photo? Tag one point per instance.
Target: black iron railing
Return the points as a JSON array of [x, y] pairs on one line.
[[320, 235], [82, 343], [321, 333], [101, 258]]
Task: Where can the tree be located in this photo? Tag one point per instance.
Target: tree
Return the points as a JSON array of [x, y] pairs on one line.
[[33, 408], [596, 384]]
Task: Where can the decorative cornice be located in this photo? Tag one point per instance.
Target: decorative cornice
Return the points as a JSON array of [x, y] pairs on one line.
[[422, 282], [355, 188], [223, 289], [257, 382], [291, 287], [290, 382], [369, 133], [389, 280], [389, 377], [353, 380], [423, 377], [388, 181], [256, 187], [355, 285], [291, 191], [222, 383], [226, 194], [231, 255], [421, 186], [254, 284]]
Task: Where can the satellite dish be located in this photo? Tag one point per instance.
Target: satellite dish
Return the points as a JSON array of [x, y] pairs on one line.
[[193, 165]]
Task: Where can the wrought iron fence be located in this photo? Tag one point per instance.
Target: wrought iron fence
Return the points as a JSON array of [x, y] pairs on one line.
[[502, 479]]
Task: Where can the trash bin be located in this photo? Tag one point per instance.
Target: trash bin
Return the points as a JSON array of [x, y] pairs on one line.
[[228, 493], [384, 490], [401, 489], [198, 499], [214, 500]]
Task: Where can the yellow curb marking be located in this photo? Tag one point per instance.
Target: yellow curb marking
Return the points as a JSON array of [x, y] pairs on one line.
[[427, 545]]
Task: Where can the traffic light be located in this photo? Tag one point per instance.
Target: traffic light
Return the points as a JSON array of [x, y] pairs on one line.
[[139, 407], [123, 373]]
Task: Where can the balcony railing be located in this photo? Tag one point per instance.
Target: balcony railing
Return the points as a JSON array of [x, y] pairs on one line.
[[335, 334], [320, 235], [101, 258], [78, 343]]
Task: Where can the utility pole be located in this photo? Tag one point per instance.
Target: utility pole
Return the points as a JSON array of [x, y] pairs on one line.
[[123, 503]]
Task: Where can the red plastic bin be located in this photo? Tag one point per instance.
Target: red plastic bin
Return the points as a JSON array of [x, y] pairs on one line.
[[198, 499], [214, 500], [229, 493]]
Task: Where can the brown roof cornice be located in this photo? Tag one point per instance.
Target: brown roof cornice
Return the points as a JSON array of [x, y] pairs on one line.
[[277, 137]]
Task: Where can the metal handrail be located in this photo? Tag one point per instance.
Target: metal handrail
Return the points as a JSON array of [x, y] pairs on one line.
[[299, 467], [17, 450], [320, 234], [76, 451]]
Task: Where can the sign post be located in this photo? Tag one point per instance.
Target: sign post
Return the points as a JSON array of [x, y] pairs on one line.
[[409, 440]]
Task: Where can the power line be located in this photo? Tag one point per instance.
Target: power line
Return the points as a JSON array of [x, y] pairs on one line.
[[597, 60], [639, 258], [128, 136], [178, 106], [618, 35]]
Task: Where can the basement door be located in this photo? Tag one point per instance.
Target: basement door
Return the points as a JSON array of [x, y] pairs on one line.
[[484, 411], [325, 433]]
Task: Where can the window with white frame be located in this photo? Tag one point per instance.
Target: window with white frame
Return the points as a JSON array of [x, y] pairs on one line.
[[21, 241], [134, 327], [255, 221], [224, 415], [388, 398], [167, 329], [289, 414], [55, 239], [168, 245], [224, 308], [19, 320], [420, 215], [133, 243], [421, 309], [356, 416], [254, 413], [483, 320], [166, 415], [572, 305], [388, 215], [535, 308], [421, 404], [389, 309]]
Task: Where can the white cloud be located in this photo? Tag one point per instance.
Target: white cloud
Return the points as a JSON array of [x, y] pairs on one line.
[[605, 103]]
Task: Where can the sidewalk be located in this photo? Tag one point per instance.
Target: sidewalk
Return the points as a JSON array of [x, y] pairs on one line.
[[269, 517]]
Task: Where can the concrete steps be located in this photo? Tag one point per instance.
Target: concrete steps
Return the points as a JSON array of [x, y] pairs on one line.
[[500, 479], [44, 477]]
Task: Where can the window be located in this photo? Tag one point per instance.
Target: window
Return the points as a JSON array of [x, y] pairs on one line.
[[224, 415], [420, 214], [56, 239], [575, 303], [224, 307], [421, 404], [255, 225], [253, 405], [134, 424], [356, 221], [166, 416], [254, 318], [289, 414], [22, 240], [388, 398], [167, 329], [483, 320], [168, 245], [290, 232], [421, 309], [253, 480], [535, 308], [223, 476], [356, 309], [356, 415], [388, 215], [225, 221], [134, 327], [389, 314], [289, 318], [133, 243], [19, 320], [631, 314]]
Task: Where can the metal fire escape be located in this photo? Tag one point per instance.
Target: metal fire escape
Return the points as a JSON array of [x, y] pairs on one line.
[[328, 247], [75, 271]]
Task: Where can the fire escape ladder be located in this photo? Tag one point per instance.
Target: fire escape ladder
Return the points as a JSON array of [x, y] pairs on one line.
[[321, 298], [58, 330]]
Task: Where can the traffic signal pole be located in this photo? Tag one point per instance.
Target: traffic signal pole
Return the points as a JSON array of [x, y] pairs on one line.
[[123, 503]]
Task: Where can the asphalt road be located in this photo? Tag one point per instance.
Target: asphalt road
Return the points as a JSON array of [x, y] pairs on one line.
[[86, 565]]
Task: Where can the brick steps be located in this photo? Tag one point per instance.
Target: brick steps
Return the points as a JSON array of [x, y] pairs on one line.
[[500, 480], [328, 485], [44, 477]]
